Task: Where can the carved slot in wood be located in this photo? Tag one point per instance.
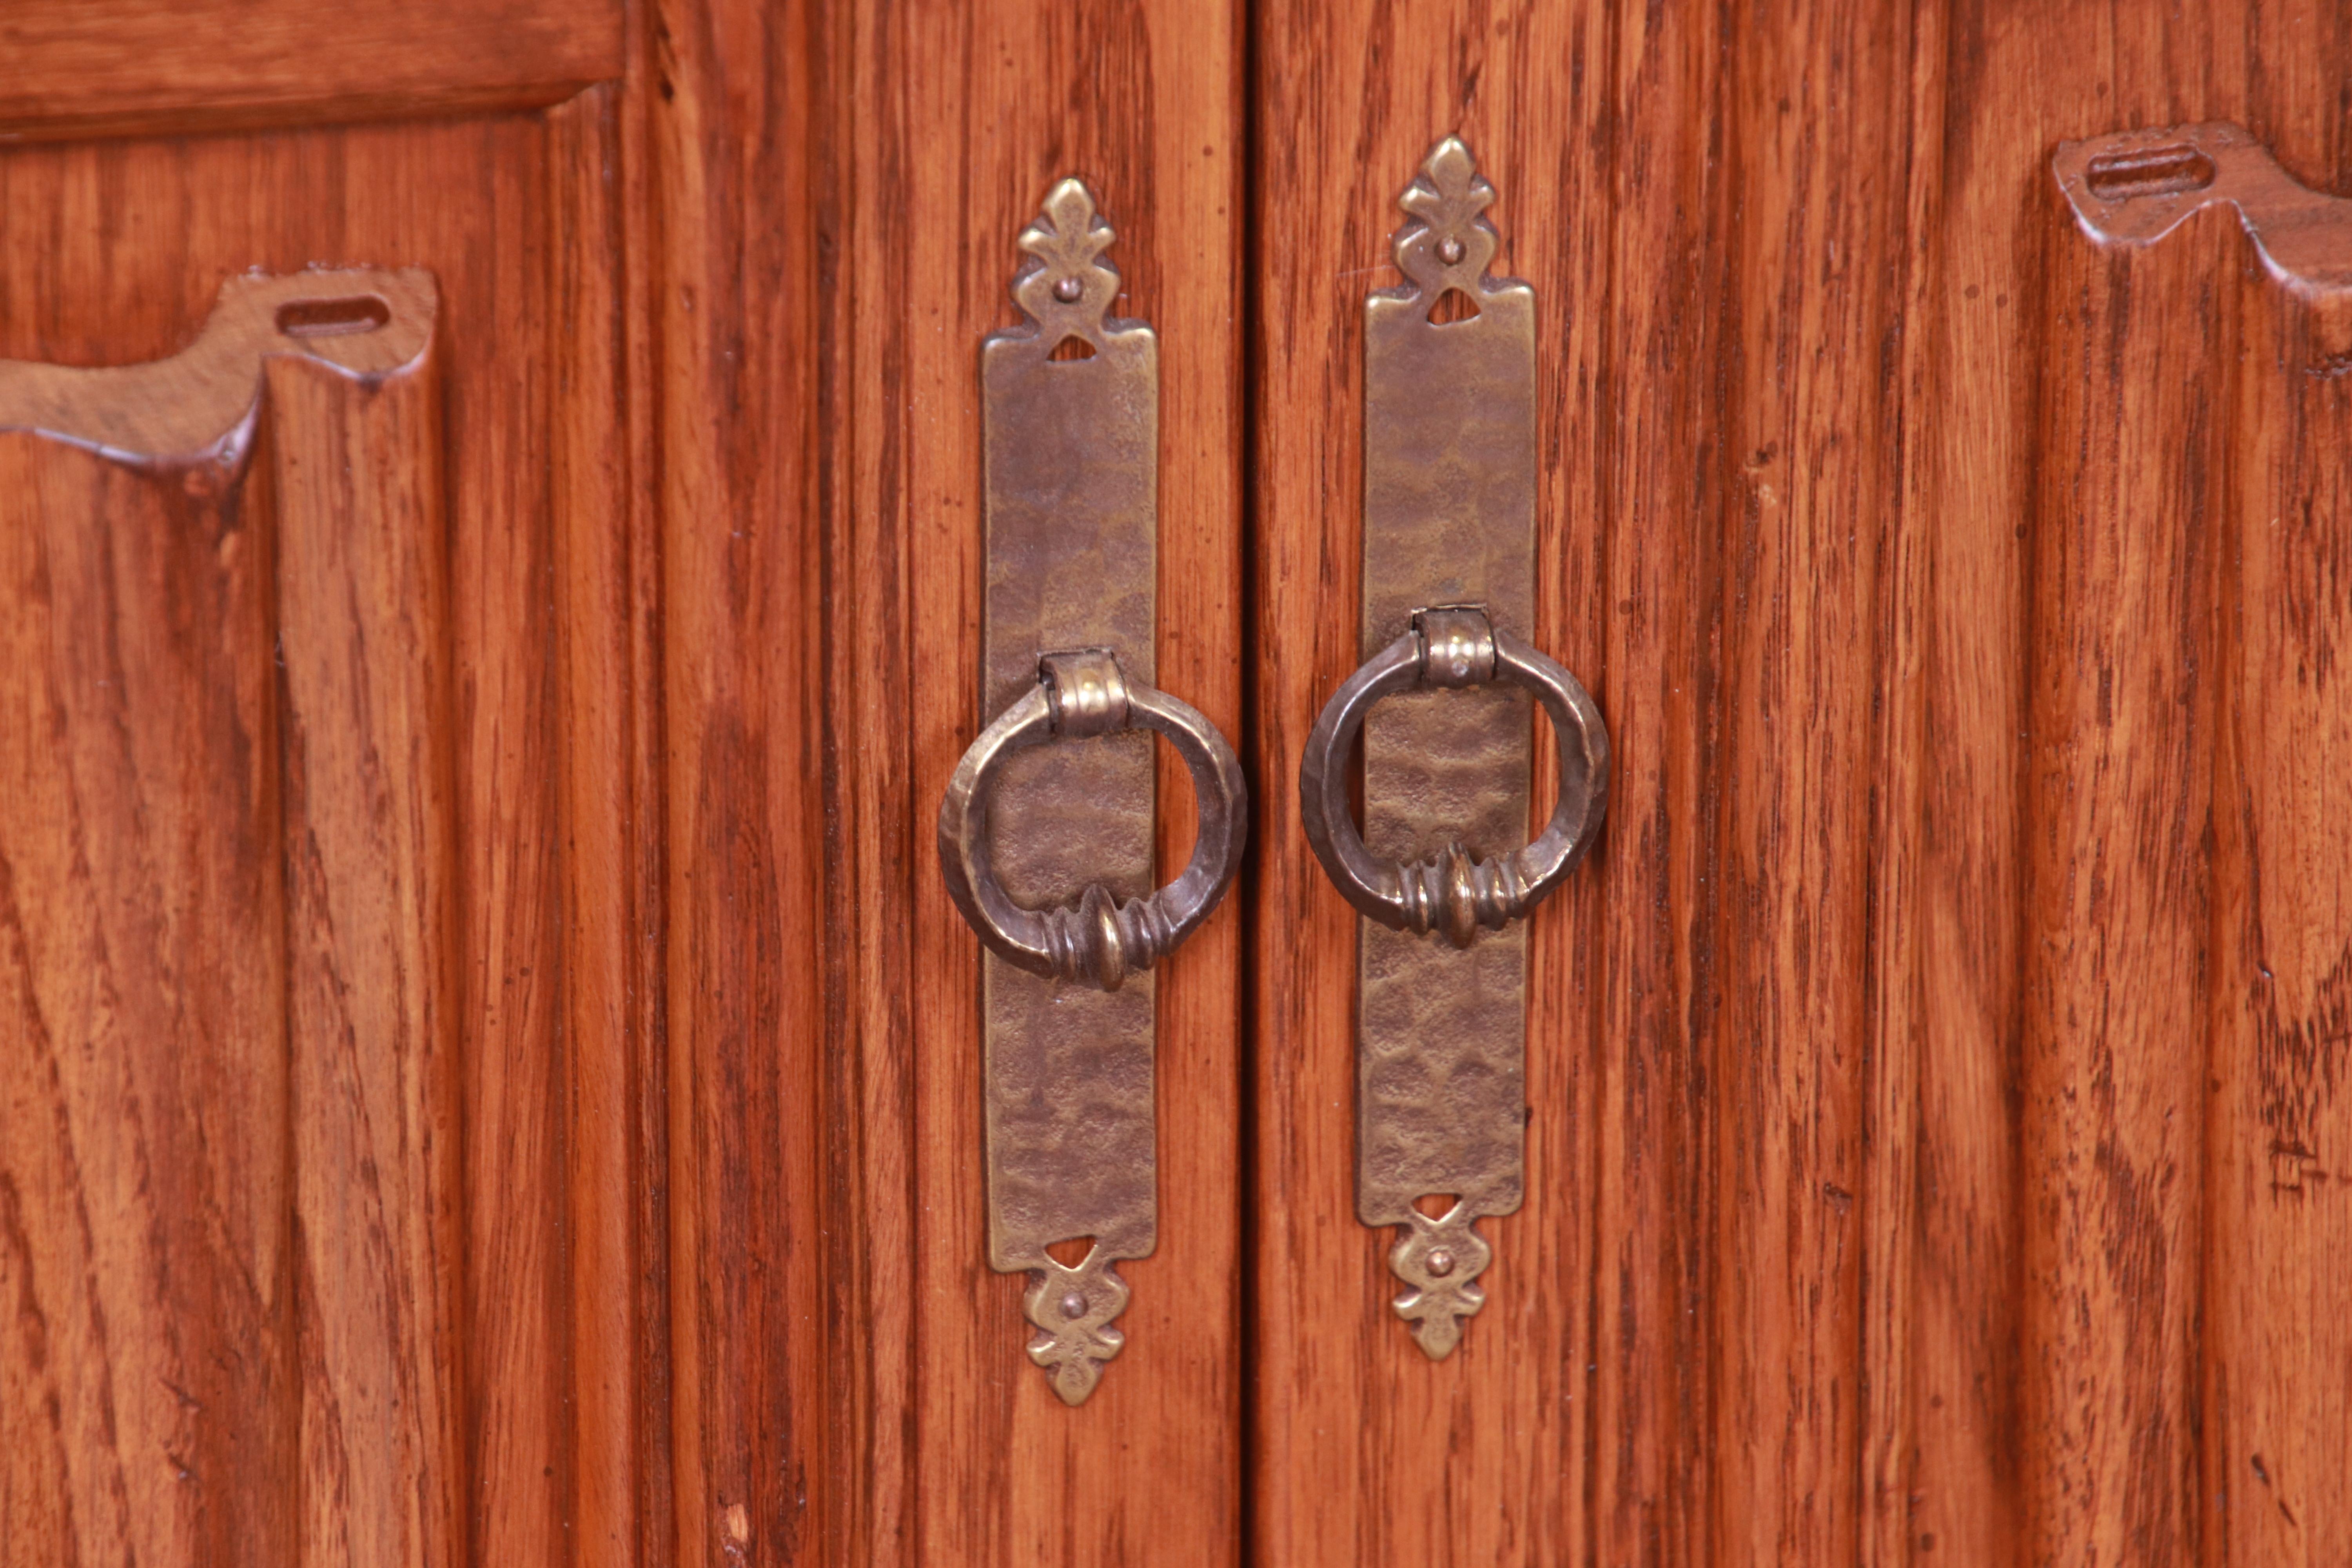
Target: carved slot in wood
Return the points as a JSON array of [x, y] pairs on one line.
[[332, 318], [2149, 171]]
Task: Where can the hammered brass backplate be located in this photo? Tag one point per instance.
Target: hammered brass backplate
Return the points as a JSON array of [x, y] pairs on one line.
[[1070, 491], [1449, 519]]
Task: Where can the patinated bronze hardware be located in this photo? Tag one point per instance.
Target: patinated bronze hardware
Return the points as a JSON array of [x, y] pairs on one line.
[[1100, 940], [1450, 893], [1047, 849], [1449, 595]]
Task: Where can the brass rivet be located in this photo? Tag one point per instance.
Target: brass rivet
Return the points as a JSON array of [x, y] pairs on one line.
[[1441, 1263], [1067, 291]]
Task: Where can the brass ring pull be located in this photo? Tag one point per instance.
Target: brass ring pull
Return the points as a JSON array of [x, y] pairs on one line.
[[1098, 942], [1450, 894]]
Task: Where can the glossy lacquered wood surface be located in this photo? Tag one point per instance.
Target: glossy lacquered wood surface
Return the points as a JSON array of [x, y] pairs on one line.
[[330, 1348], [2098, 456], [149, 1200]]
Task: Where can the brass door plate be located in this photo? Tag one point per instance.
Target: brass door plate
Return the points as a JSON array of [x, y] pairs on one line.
[[1449, 519], [1070, 489]]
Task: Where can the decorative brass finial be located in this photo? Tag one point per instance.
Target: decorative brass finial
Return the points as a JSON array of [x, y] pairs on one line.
[[1073, 1308], [1066, 286], [1441, 1258], [1453, 244]]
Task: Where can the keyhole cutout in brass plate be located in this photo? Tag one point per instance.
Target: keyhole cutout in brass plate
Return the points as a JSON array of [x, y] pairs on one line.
[[1453, 306]]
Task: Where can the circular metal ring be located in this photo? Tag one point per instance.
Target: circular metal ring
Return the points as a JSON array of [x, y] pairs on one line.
[[1097, 942], [1450, 893]]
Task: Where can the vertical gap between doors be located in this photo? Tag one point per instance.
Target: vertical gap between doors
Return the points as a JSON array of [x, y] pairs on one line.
[[1245, 20]]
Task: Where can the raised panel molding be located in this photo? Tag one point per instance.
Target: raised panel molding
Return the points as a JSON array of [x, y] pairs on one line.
[[231, 1148]]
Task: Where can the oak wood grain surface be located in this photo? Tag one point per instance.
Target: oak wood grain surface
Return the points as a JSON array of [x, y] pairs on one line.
[[70, 68], [145, 1196], [1872, 1192], [1718, 1133], [730, 242], [2117, 802], [375, 956], [362, 641], [2065, 844], [851, 1381], [606, 563], [1363, 1446], [2279, 1228], [489, 1072]]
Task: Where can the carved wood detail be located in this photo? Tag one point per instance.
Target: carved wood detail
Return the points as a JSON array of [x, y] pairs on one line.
[[230, 1149]]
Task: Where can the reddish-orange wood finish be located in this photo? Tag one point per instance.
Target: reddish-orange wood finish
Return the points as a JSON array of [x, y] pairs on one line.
[[607, 565], [466, 1267], [145, 1195], [1363, 1446], [2117, 794], [2279, 1227], [851, 1383], [362, 641], [729, 241], [488, 1072], [2056, 1133], [169, 66], [1872, 1056], [1717, 406], [1814, 223]]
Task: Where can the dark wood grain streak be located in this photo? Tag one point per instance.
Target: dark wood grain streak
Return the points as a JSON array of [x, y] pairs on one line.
[[875, 1207], [736, 336], [2279, 1217], [2278, 1255], [1939, 1466], [1815, 285], [1652, 1195], [2116, 989], [1898, 1012]]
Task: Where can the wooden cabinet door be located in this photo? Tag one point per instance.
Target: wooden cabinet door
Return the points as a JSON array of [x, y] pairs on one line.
[[1933, 1075], [489, 1071], [330, 1205]]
